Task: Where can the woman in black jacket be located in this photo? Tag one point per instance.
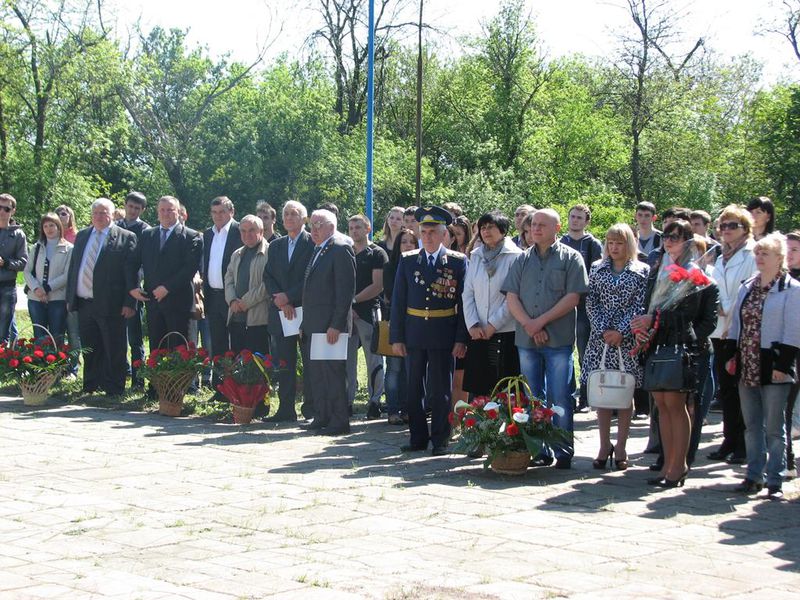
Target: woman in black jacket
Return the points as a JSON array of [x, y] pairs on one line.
[[687, 324]]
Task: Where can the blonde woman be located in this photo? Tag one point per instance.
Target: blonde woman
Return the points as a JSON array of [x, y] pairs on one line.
[[617, 287], [765, 333], [392, 227]]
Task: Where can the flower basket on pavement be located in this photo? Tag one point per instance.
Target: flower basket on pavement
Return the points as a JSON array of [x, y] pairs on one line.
[[35, 365], [245, 382], [511, 425], [171, 372]]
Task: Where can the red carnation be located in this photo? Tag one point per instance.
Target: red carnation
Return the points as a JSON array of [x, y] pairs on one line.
[[699, 278], [50, 358], [230, 354], [137, 364], [63, 356], [470, 421], [512, 429], [517, 409], [27, 359], [492, 414], [38, 353], [13, 363]]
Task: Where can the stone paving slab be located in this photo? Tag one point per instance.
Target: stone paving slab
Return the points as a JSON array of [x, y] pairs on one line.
[[98, 503]]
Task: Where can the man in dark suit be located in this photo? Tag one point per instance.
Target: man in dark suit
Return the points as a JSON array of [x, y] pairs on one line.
[[101, 271], [328, 292], [219, 242], [169, 256], [135, 203], [284, 276], [427, 327]]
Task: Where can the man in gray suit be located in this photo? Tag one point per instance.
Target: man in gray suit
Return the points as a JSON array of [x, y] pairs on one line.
[[330, 286], [284, 276]]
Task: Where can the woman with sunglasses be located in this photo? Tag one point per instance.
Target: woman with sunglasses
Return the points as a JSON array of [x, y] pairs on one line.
[[688, 325], [735, 265], [67, 217]]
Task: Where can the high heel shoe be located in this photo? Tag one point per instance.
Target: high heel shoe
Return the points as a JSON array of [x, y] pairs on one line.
[[673, 483], [620, 465], [655, 480], [599, 463]]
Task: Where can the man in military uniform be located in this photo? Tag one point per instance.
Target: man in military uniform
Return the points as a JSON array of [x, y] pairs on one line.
[[427, 327]]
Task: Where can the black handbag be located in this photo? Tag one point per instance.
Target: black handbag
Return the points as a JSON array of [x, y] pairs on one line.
[[669, 369]]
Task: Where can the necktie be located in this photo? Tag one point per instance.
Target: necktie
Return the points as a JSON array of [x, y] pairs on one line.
[[91, 258], [313, 259], [431, 261], [164, 232]]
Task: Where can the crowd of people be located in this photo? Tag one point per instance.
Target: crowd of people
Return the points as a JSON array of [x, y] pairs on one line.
[[442, 309]]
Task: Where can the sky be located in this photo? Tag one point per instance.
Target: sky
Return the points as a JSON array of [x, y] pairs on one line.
[[590, 27]]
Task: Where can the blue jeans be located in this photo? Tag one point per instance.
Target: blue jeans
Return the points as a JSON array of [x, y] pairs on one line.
[[765, 431], [52, 315], [395, 385], [554, 367], [8, 302]]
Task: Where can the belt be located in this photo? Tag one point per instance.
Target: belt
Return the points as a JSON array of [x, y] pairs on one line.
[[431, 313]]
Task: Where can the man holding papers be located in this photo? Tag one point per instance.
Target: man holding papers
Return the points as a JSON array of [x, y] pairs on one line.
[[330, 285], [284, 275]]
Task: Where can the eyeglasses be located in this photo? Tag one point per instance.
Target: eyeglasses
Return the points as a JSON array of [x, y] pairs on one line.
[[733, 226], [317, 224], [674, 237], [8, 209]]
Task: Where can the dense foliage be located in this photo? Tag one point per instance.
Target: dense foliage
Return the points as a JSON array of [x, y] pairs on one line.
[[82, 115]]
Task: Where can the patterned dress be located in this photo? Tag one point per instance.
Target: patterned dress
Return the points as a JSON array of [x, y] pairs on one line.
[[612, 303]]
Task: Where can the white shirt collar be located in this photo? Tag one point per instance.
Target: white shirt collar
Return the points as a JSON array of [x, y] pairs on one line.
[[435, 255], [225, 228]]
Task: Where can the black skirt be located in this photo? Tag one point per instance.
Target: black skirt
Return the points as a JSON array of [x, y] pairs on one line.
[[488, 361]]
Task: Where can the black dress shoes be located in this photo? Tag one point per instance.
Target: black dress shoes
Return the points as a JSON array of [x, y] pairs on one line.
[[413, 448], [748, 486], [564, 463], [737, 459], [720, 454], [314, 425], [541, 461], [279, 419], [343, 430], [440, 451]]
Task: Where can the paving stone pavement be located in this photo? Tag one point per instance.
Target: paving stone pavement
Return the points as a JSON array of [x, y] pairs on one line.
[[101, 503]]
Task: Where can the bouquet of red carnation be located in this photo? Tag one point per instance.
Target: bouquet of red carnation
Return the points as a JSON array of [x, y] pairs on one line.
[[670, 290], [507, 421], [245, 377], [27, 359]]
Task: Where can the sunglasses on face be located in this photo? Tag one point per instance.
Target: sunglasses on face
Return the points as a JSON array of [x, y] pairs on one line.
[[674, 237], [733, 226]]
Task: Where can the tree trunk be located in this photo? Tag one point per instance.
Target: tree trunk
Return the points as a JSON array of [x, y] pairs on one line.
[[5, 183]]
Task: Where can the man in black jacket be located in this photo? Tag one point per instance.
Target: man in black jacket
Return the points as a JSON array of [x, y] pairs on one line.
[[169, 256], [135, 203], [101, 271], [284, 274]]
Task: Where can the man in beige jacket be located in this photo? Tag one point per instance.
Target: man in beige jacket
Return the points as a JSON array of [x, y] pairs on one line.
[[245, 292]]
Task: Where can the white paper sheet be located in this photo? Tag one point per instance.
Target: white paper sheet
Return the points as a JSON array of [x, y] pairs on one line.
[[322, 350], [292, 327]]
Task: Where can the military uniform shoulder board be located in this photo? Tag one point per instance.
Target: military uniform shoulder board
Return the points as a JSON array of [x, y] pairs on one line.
[[456, 254], [411, 252]]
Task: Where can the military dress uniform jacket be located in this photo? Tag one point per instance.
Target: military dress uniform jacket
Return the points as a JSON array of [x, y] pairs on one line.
[[426, 305]]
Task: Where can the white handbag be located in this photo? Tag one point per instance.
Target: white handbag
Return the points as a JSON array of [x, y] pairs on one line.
[[610, 388]]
